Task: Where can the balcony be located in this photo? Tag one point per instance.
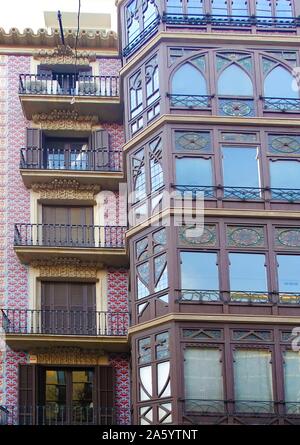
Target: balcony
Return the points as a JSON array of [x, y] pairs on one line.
[[64, 415], [96, 95], [101, 166], [248, 412], [87, 242], [34, 328], [256, 197], [238, 302]]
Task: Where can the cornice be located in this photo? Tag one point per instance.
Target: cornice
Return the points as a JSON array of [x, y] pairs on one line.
[[214, 318], [217, 213], [101, 39], [209, 120], [189, 38]]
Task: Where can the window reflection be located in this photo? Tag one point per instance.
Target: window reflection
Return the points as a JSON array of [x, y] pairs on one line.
[[285, 174], [247, 272]]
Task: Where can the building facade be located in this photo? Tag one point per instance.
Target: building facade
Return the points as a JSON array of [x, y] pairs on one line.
[[150, 319]]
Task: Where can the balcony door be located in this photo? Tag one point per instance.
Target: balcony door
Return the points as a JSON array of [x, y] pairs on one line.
[[68, 226], [68, 308], [69, 396], [66, 395], [67, 154]]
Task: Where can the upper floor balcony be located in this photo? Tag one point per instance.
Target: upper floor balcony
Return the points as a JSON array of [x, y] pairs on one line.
[[248, 17], [33, 327], [85, 241], [87, 157], [97, 95]]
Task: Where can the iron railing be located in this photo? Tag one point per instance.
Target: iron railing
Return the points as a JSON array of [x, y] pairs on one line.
[[190, 100], [71, 159], [64, 322], [238, 193], [251, 408], [69, 235], [281, 104], [228, 21], [69, 85], [54, 414], [142, 37], [235, 296]]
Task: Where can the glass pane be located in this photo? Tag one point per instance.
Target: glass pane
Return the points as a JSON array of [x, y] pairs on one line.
[[279, 83], [196, 84], [240, 7], [203, 379], [253, 384], [263, 8], [285, 174], [240, 167], [235, 82], [174, 6], [292, 381], [56, 161], [240, 278], [193, 171], [284, 8], [288, 273], [219, 7], [199, 270], [195, 7], [150, 13]]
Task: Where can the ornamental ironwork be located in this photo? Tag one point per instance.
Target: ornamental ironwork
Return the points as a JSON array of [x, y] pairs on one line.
[[245, 236], [242, 193], [249, 297], [281, 104], [199, 296], [190, 101], [290, 195]]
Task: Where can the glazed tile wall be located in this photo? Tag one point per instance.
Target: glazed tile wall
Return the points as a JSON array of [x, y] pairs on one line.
[[109, 67], [17, 208]]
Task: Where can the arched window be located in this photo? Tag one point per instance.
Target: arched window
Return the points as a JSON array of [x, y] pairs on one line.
[[279, 83], [189, 81], [233, 81]]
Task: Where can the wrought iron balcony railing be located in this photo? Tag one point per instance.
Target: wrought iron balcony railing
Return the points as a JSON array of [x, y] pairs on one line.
[[238, 193], [59, 414], [190, 101], [69, 85], [142, 37], [281, 104], [211, 407], [72, 159], [69, 235], [64, 322], [230, 21], [234, 296]]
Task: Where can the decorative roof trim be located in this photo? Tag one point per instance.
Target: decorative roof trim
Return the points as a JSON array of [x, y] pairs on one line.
[[101, 39]]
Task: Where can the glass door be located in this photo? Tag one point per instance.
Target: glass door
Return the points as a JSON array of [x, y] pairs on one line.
[[69, 397]]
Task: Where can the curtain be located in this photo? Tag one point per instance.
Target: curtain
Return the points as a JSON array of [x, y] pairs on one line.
[[203, 380], [253, 384], [292, 381]]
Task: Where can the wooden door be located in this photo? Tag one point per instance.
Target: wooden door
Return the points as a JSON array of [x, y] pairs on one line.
[[68, 226], [68, 308]]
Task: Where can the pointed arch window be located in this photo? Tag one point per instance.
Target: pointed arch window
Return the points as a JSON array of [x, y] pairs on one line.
[[279, 83], [139, 15], [196, 84], [234, 81]]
